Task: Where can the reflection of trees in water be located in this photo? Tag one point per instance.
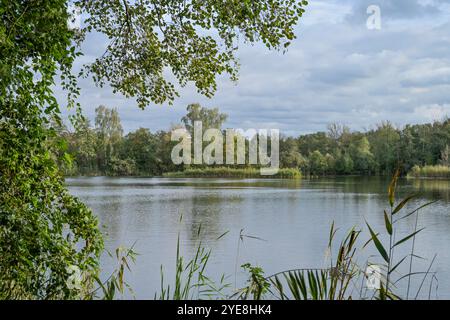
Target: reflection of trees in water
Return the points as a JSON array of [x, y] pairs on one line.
[[433, 188], [207, 211], [110, 214], [211, 209]]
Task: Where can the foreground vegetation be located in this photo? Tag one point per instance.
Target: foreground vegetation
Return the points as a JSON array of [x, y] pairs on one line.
[[439, 171], [224, 172]]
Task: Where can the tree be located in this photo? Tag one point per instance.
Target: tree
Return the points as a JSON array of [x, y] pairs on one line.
[[109, 134], [445, 156], [45, 233], [362, 158], [317, 163], [290, 157], [384, 142], [344, 164], [82, 145], [163, 152], [141, 147], [337, 133], [210, 118], [309, 143], [331, 163]]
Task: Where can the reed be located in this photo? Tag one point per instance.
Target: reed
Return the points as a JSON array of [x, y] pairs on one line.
[[224, 172], [190, 281], [438, 171]]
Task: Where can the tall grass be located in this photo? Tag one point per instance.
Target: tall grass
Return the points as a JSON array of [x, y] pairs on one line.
[[438, 171], [225, 172], [191, 281], [115, 285]]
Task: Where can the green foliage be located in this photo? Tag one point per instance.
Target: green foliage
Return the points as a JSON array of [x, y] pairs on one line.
[[49, 240], [150, 37], [104, 150], [362, 159], [210, 118], [95, 151], [119, 167], [377, 151], [258, 285], [317, 163], [290, 156], [109, 134]]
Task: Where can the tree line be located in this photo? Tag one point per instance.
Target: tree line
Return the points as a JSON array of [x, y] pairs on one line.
[[104, 149]]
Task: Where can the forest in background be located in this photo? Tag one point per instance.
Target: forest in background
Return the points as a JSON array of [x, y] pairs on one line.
[[103, 149]]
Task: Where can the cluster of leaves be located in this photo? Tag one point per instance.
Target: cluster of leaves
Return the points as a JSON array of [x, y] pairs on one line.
[[43, 229], [194, 40]]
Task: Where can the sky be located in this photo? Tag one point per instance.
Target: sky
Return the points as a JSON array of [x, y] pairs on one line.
[[337, 70]]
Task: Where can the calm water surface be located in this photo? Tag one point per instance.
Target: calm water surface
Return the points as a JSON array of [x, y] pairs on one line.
[[293, 218]]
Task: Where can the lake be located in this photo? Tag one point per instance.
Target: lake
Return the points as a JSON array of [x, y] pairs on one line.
[[292, 218]]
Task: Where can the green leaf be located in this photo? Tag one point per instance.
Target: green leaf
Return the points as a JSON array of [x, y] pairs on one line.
[[388, 223], [407, 238], [398, 264], [378, 244], [332, 234], [392, 186], [403, 203], [416, 210]]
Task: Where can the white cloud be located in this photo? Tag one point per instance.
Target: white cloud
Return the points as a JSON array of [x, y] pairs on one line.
[[432, 112]]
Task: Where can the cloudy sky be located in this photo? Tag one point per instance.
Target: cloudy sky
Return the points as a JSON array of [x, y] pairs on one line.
[[336, 71]]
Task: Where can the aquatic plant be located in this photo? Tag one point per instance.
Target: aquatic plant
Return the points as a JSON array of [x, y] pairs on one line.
[[437, 171], [225, 172]]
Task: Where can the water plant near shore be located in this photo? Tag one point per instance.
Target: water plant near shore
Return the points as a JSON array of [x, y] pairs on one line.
[[224, 172], [438, 171]]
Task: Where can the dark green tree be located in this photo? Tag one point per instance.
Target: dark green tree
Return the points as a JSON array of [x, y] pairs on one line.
[[317, 163]]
